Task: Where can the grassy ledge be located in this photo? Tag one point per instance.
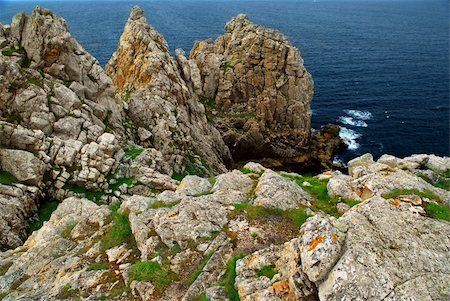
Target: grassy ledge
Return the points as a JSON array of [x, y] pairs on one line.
[[228, 280], [120, 231], [298, 216], [436, 209], [318, 190]]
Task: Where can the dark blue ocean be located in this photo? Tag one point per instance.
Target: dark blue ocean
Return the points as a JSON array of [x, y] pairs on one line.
[[381, 68]]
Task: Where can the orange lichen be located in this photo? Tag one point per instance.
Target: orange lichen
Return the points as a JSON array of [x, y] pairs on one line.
[[320, 239], [396, 203], [334, 237], [280, 288]]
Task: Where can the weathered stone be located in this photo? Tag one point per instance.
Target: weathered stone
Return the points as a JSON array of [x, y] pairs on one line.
[[189, 220], [17, 203], [22, 165], [234, 180], [288, 282], [194, 185], [321, 247], [387, 250], [274, 191], [160, 101]]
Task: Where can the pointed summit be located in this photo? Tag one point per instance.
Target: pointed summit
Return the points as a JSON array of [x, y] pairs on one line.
[[137, 13]]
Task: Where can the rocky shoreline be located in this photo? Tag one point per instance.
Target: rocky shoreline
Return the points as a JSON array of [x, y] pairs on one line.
[[118, 183]]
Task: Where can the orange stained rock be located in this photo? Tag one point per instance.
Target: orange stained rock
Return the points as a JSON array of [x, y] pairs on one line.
[[280, 288], [334, 237], [320, 239], [396, 203]]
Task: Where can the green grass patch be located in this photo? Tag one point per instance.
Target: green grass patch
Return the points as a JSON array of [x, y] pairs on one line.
[[230, 275], [159, 276], [120, 231], [250, 171], [318, 190], [44, 213], [161, 204], [298, 216], [398, 192], [94, 196], [178, 176], [133, 152], [225, 66], [67, 292], [120, 182], [201, 297], [446, 174], [6, 178], [267, 271], [438, 211], [208, 102], [97, 266], [198, 269], [12, 50]]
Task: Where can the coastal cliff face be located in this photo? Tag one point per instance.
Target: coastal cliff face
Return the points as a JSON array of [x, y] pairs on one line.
[[114, 185]]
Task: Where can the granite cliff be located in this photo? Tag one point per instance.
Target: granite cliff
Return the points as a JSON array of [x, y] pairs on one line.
[[118, 184]]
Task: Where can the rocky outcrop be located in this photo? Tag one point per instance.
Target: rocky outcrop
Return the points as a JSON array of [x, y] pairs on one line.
[[161, 103], [368, 178], [258, 93], [380, 249], [388, 256]]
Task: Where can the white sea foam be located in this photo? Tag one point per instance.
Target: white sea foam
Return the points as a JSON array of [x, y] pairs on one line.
[[349, 137], [361, 115], [350, 121], [339, 162]]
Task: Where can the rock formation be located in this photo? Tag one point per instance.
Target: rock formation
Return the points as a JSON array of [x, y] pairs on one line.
[[387, 247], [257, 92], [147, 209], [163, 108]]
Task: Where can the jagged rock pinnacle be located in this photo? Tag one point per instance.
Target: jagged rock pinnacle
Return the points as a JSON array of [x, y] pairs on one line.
[[136, 13]]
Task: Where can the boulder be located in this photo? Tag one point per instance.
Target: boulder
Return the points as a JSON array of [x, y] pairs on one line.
[[274, 191], [23, 165]]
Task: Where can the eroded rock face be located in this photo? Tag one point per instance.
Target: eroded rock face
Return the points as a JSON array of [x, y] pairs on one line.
[[257, 92], [17, 204], [161, 102]]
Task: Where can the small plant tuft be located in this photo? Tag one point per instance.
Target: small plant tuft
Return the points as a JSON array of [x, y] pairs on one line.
[[133, 152], [159, 276], [267, 271], [438, 211], [161, 204], [120, 231]]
